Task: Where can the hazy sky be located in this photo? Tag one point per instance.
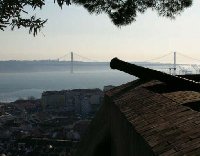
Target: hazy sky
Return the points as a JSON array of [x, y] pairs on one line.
[[95, 37]]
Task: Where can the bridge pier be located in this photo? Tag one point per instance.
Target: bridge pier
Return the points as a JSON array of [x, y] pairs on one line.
[[72, 63]]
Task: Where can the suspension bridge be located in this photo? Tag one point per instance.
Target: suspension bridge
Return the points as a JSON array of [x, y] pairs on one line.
[[174, 67], [74, 57]]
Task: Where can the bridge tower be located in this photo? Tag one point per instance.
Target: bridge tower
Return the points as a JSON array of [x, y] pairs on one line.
[[72, 63], [172, 70], [174, 63]]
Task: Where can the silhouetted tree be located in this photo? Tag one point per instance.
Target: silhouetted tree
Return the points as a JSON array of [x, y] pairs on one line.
[[121, 12]]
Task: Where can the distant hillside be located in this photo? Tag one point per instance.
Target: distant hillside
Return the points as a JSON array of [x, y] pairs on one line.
[[48, 65], [53, 65]]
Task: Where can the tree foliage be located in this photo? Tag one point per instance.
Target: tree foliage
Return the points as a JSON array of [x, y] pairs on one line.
[[121, 12]]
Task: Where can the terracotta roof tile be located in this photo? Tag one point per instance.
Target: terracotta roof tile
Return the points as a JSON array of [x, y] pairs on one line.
[[183, 96], [169, 127]]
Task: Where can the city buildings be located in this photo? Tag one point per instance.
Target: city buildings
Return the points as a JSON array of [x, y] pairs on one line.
[[78, 101], [52, 125]]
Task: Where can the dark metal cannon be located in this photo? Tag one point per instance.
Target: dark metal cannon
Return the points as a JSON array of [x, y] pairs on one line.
[[149, 74]]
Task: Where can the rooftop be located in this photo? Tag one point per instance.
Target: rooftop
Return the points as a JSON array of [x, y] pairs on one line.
[[158, 114], [167, 121]]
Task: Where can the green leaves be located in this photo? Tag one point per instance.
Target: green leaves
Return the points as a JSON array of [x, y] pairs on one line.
[[12, 14], [121, 12], [33, 24], [171, 8]]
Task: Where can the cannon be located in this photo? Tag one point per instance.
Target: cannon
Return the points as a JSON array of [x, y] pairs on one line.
[[180, 82]]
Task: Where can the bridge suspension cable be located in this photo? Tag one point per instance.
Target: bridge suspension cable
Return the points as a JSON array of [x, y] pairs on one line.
[[76, 56], [160, 57], [67, 55], [64, 56], [86, 58], [189, 57]]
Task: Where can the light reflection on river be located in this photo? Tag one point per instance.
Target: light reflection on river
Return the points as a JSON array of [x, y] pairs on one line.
[[22, 85]]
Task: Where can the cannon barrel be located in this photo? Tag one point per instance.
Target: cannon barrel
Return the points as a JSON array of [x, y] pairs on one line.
[[195, 77], [150, 74]]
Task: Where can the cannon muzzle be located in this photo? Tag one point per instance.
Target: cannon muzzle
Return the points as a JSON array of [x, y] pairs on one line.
[[150, 74]]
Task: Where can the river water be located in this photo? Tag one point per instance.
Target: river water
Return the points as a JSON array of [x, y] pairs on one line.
[[14, 86], [17, 85]]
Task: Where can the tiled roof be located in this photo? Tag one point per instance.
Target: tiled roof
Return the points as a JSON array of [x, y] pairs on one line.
[[183, 96], [167, 126]]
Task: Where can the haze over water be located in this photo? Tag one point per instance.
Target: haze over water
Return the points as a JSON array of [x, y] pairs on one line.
[[23, 79], [15, 85]]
